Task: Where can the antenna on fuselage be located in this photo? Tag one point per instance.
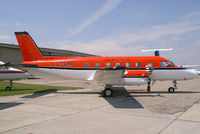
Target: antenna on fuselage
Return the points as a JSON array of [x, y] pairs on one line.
[[104, 54], [157, 51]]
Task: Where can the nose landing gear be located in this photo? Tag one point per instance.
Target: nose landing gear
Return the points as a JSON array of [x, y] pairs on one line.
[[172, 89]]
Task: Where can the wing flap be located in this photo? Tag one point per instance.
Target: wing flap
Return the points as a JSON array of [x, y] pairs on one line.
[[109, 76]]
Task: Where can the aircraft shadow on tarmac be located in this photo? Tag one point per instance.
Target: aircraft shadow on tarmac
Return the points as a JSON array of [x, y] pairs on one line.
[[41, 93], [8, 105], [121, 97], [143, 93], [126, 99]]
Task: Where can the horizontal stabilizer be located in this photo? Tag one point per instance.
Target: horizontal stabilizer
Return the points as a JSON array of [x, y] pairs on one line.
[[157, 51]]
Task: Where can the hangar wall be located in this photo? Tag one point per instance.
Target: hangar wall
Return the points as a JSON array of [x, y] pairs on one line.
[[11, 53]]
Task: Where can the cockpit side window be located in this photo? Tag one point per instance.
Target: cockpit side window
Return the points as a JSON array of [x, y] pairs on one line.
[[163, 64], [171, 63], [166, 64]]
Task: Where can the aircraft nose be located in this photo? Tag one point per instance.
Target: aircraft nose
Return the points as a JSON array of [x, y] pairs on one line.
[[198, 72], [194, 73], [190, 74]]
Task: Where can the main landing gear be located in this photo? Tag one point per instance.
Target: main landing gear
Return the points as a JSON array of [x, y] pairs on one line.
[[108, 91], [9, 88], [172, 89]]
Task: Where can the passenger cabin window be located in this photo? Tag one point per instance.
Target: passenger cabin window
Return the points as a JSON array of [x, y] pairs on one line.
[[118, 64], [138, 64], [97, 64], [163, 64], [150, 64], [86, 65], [108, 65], [128, 64]]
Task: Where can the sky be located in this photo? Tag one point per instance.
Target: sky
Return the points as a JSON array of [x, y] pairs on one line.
[[107, 27]]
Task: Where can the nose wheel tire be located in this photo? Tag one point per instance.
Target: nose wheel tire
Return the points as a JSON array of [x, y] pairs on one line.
[[8, 88], [171, 90], [108, 92]]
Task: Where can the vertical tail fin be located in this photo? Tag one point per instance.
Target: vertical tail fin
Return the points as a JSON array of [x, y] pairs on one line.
[[29, 49]]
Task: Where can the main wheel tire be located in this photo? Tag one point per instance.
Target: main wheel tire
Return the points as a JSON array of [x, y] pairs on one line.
[[8, 88], [108, 92], [171, 90]]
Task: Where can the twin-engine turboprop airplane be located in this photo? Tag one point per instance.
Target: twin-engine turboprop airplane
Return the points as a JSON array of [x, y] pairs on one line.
[[9, 73], [108, 71]]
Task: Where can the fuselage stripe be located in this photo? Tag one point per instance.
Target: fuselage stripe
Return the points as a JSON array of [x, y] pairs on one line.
[[161, 68], [11, 72]]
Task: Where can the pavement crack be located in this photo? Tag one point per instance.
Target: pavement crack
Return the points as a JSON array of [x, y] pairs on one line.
[[177, 117]]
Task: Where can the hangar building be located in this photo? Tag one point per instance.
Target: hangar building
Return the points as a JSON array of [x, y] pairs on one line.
[[11, 53]]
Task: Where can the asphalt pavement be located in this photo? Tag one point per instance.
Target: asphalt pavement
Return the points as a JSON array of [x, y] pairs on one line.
[[84, 111]]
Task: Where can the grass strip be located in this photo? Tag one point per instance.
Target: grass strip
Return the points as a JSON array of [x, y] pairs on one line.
[[19, 88]]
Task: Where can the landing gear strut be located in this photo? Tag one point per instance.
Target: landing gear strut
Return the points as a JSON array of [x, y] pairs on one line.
[[149, 86], [8, 88], [172, 89], [107, 91]]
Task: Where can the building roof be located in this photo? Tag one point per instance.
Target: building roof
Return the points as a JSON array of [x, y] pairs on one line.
[[50, 51]]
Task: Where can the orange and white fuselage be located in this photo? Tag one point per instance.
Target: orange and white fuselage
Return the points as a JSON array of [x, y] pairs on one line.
[[136, 72]]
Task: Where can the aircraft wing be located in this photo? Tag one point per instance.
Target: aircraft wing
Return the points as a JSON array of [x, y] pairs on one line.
[[109, 76]]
